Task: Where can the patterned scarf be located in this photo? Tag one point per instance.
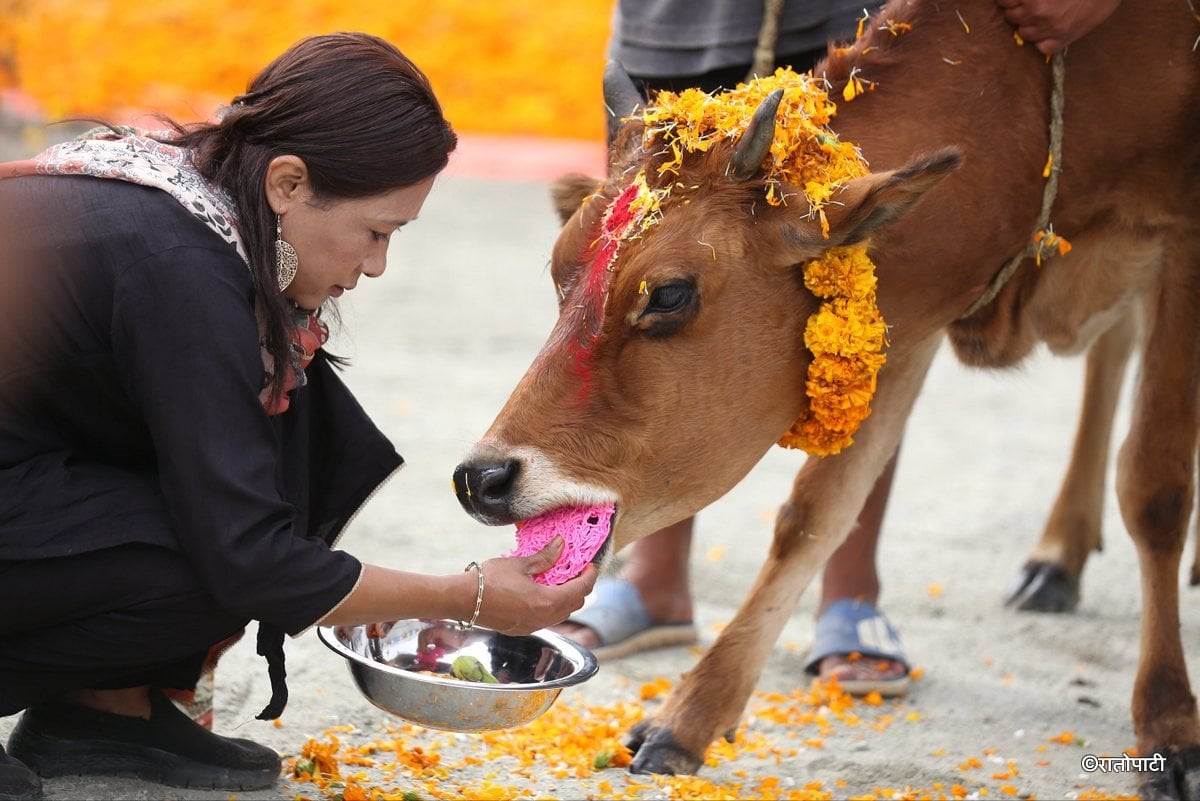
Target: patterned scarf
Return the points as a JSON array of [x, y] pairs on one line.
[[136, 156]]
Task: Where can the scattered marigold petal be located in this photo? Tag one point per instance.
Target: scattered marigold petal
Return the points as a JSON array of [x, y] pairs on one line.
[[655, 688]]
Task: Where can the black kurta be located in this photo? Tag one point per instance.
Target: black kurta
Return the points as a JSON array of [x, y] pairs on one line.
[[130, 418]]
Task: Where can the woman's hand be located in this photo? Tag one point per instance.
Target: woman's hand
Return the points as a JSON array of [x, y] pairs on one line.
[[1051, 25], [513, 603]]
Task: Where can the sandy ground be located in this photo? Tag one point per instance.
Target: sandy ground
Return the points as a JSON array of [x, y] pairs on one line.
[[437, 345]]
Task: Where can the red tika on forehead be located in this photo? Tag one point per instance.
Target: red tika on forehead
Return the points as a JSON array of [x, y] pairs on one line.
[[623, 217]]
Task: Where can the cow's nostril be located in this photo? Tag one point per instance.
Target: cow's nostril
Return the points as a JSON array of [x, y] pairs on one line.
[[494, 483], [485, 488]]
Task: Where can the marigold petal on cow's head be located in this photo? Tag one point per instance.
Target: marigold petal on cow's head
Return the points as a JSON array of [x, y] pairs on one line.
[[841, 203]]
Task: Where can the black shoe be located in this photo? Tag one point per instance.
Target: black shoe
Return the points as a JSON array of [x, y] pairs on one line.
[[17, 782], [60, 739]]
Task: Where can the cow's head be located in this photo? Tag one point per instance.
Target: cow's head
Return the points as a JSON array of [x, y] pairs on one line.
[[678, 357]]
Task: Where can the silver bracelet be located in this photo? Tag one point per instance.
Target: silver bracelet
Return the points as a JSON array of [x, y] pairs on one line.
[[478, 597]]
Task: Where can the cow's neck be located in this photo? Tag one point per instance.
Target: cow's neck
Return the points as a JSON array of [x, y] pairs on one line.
[[956, 78]]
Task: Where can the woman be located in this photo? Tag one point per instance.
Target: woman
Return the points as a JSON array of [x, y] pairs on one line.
[[177, 456]]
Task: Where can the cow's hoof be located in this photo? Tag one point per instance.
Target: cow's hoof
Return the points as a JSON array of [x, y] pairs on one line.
[[1043, 587], [656, 751], [1179, 780]]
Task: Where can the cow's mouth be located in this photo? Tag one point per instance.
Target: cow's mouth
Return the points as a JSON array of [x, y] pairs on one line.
[[586, 533]]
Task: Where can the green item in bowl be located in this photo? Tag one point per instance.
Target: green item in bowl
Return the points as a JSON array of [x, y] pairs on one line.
[[468, 668]]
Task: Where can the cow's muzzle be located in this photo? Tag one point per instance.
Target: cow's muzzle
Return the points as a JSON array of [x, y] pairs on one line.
[[485, 489]]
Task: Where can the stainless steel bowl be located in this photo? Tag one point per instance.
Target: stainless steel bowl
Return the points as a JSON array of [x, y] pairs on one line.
[[404, 668]]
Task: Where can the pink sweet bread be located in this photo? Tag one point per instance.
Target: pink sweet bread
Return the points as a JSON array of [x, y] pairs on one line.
[[583, 529]]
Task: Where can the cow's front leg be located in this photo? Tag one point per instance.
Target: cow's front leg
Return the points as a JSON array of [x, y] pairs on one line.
[[1155, 475], [709, 700], [826, 498]]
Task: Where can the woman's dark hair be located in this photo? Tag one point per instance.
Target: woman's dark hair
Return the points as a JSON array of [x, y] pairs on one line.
[[356, 110]]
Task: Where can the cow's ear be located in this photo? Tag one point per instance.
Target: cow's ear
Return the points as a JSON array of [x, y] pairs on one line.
[[868, 203], [570, 191]]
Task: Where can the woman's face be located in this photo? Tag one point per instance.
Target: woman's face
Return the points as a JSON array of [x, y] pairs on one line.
[[338, 243]]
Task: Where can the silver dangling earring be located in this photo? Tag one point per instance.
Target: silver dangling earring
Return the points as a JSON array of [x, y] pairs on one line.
[[286, 260]]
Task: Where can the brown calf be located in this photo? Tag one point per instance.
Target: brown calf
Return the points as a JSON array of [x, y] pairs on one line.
[[670, 374]]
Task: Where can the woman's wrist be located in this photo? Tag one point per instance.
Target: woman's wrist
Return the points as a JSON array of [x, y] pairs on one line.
[[449, 596], [477, 569]]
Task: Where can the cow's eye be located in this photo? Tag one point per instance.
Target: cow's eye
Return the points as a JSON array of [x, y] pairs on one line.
[[671, 306], [670, 297]]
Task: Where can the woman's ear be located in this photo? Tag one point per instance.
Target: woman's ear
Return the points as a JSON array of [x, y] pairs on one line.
[[286, 183]]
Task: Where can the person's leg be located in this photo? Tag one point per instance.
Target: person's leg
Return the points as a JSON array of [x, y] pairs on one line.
[[87, 666], [131, 701], [118, 618], [852, 573], [657, 567]]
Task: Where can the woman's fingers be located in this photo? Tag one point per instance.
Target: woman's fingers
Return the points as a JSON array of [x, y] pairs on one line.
[[544, 559], [515, 604]]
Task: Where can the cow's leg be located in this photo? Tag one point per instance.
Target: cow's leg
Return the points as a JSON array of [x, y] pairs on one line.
[[826, 498], [1194, 579], [1049, 580], [1155, 474]]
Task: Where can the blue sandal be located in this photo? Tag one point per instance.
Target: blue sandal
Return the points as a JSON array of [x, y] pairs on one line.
[[849, 627], [616, 614]]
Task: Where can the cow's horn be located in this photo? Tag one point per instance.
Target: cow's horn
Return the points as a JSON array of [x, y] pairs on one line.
[[755, 143], [621, 97]]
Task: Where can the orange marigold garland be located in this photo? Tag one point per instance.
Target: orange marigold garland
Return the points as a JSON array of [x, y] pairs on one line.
[[846, 335]]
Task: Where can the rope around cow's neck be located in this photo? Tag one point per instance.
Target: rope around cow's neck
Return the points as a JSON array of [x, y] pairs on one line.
[[1033, 246]]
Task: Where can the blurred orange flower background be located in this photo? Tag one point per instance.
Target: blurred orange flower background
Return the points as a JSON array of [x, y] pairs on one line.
[[523, 67]]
